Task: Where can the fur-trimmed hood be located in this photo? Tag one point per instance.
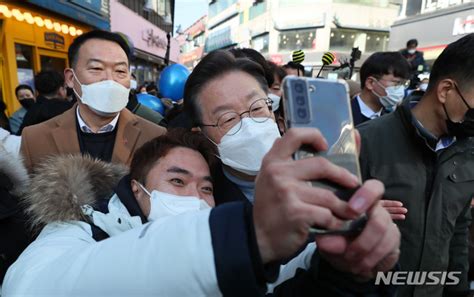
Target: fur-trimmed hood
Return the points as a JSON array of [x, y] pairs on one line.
[[12, 167], [62, 184]]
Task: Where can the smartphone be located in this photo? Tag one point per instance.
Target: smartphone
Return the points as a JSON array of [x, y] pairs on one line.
[[325, 105]]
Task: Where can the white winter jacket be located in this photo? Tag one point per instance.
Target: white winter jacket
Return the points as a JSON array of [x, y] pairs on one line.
[[190, 254]]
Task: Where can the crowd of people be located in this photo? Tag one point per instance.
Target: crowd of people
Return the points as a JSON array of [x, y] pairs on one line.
[[102, 196]]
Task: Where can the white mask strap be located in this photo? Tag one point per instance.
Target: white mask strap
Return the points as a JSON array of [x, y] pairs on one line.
[[216, 155], [143, 188], [73, 89]]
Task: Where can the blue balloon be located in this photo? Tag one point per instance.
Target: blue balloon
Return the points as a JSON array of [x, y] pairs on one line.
[[172, 81], [151, 102]]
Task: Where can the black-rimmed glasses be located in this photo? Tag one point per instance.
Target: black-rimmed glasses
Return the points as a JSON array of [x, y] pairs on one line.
[[230, 122]]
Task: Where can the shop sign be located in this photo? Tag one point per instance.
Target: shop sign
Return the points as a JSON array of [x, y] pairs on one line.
[[54, 40], [277, 59], [463, 25], [154, 40]]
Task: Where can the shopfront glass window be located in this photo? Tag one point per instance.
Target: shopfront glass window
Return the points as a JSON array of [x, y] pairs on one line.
[[261, 43], [52, 63], [344, 40], [24, 64], [144, 72], [297, 39], [376, 42]]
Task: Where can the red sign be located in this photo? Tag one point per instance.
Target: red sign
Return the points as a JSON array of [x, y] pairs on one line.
[[277, 59]]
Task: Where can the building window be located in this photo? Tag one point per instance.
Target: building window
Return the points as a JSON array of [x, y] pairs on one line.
[[296, 39], [200, 40], [413, 7], [257, 9], [159, 12], [260, 43], [367, 41], [219, 6]]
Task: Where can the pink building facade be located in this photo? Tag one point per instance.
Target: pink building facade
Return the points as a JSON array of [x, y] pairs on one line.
[[149, 42]]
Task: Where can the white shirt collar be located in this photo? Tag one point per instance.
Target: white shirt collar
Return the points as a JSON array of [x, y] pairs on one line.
[[367, 111], [86, 129]]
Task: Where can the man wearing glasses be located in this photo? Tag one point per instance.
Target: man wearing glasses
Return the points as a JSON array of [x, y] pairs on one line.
[[226, 97], [383, 78]]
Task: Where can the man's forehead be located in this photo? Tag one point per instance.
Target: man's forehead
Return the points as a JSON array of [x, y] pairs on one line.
[[184, 158], [232, 89], [95, 49]]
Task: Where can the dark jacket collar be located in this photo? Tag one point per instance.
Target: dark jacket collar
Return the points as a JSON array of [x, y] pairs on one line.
[[224, 189], [125, 194], [357, 115], [413, 126], [426, 139]]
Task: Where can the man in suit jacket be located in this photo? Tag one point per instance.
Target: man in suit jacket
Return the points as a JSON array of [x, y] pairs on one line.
[[383, 78], [99, 125]]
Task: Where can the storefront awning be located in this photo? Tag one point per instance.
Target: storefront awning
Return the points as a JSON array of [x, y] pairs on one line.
[[93, 13]]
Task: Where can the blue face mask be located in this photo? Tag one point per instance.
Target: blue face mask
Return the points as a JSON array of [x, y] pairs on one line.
[[395, 95]]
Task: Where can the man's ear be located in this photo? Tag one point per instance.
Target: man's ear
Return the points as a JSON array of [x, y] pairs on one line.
[[442, 89], [196, 129], [369, 83], [134, 186], [69, 77]]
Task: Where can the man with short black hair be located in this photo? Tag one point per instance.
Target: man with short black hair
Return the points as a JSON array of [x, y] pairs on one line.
[[26, 97], [51, 100], [383, 79], [416, 60], [99, 125], [423, 153], [293, 68]]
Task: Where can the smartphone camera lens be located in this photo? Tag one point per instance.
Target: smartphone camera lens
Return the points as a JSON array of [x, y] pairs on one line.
[[299, 87], [301, 105]]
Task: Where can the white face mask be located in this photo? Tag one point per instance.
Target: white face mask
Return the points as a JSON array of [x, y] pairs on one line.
[[276, 101], [244, 151], [104, 97], [395, 95], [165, 204], [412, 51], [423, 87], [133, 84]]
